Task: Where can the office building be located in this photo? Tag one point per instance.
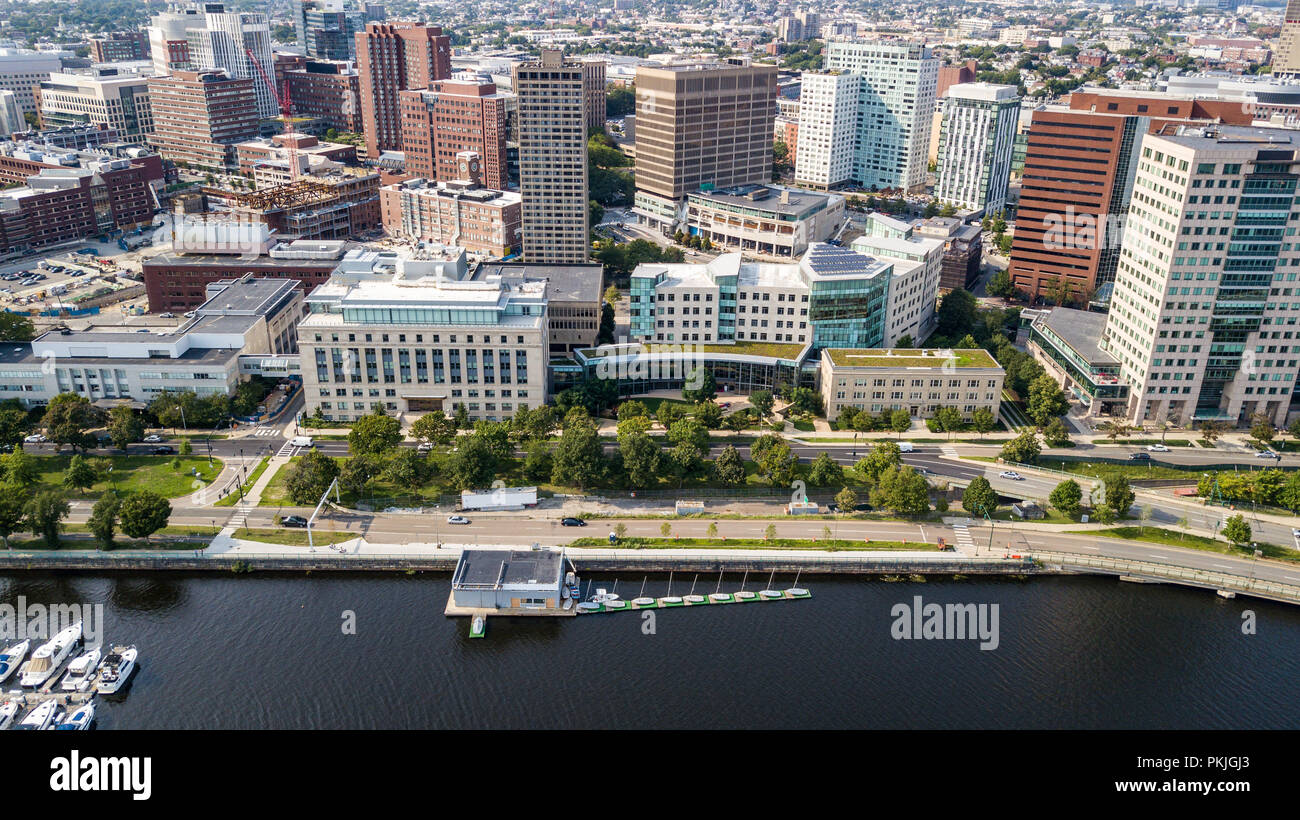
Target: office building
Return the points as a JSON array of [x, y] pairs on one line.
[[21, 71], [411, 336], [449, 118], [239, 43], [327, 29], [765, 220], [199, 116], [552, 159], [120, 47], [11, 115], [975, 142], [392, 57], [460, 211], [700, 126], [828, 125], [594, 94], [963, 250], [327, 92], [64, 203], [169, 46], [1286, 58], [914, 285], [102, 96], [918, 381]]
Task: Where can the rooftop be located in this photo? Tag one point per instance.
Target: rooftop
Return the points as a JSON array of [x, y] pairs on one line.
[[564, 283], [769, 198], [1081, 330], [907, 358], [494, 569]]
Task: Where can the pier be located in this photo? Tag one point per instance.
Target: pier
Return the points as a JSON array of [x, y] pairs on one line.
[[714, 599]]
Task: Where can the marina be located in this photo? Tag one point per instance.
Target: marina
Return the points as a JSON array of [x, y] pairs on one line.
[[58, 697]]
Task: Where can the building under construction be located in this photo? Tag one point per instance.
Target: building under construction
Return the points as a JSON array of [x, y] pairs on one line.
[[338, 206]]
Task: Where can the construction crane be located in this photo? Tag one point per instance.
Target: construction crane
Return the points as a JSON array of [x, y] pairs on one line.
[[286, 113]]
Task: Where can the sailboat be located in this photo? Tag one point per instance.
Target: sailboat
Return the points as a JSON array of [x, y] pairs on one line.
[[640, 599], [718, 596], [670, 598], [743, 595], [691, 597], [769, 592]]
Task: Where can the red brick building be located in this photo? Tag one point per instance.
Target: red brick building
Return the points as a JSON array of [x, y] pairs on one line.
[[60, 204], [950, 75], [329, 92], [450, 117], [392, 57], [177, 282], [200, 115]]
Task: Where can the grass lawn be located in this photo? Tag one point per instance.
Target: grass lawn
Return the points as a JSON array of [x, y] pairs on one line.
[[1173, 442], [754, 544], [1132, 471], [1173, 538], [233, 498], [652, 405], [293, 537], [132, 473], [803, 426]]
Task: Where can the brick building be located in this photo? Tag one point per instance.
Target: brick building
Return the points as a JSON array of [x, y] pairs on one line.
[[200, 115], [392, 57], [451, 117], [329, 92]]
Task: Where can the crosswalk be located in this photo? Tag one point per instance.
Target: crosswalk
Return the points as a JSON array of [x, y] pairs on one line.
[[964, 542], [287, 449], [948, 450], [266, 432]]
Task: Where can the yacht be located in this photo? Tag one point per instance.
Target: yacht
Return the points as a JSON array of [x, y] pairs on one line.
[[81, 672], [116, 669], [41, 717], [79, 718], [7, 713], [47, 657], [12, 657]]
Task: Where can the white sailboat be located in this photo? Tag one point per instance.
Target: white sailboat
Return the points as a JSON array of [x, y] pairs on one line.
[[47, 657], [7, 713]]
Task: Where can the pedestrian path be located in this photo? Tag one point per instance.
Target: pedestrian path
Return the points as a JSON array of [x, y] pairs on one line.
[[949, 451], [265, 432], [962, 536], [287, 450]]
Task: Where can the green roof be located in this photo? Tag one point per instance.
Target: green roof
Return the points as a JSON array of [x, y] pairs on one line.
[[900, 357]]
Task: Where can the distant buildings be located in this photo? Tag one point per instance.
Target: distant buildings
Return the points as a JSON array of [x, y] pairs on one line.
[[328, 92], [392, 57], [104, 97], [458, 211], [553, 159], [21, 71], [239, 43], [169, 46], [327, 29], [975, 142], [199, 116], [120, 47], [1286, 59]]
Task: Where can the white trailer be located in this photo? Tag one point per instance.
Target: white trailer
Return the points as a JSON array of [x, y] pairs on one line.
[[499, 498]]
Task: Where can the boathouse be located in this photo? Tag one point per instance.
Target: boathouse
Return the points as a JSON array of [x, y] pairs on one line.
[[503, 579]]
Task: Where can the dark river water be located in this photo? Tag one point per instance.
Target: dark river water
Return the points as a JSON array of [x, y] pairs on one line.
[[269, 651]]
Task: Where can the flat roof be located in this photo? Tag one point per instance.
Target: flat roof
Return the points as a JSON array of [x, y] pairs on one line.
[[1081, 330], [215, 260], [487, 568], [564, 283], [800, 201], [908, 358]]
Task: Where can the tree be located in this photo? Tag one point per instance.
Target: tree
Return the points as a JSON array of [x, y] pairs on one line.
[[1104, 514], [1119, 495], [1023, 449], [537, 461], [948, 420], [1236, 530], [44, 513], [729, 467], [1000, 285], [979, 497], [900, 421], [434, 427], [406, 468], [762, 402], [143, 513], [956, 314], [1212, 430], [775, 461], [632, 409], [124, 426], [310, 476], [12, 510], [983, 421], [689, 431], [1262, 430], [1047, 400], [1114, 429], [20, 468], [903, 490], [103, 519], [80, 475], [825, 471], [709, 414], [579, 459], [475, 462], [640, 454], [461, 416], [14, 327], [846, 500], [1055, 434], [374, 434], [1068, 498], [1294, 429], [186, 448], [701, 386], [357, 473], [879, 459], [1288, 495], [67, 419]]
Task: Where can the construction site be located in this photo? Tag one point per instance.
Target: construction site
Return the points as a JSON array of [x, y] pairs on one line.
[[337, 206]]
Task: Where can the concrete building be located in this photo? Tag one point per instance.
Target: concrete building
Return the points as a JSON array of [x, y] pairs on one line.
[[412, 336], [328, 92], [1066, 343], [552, 159], [956, 74], [392, 57], [574, 296], [224, 41], [825, 156], [1201, 316], [120, 47], [975, 141], [917, 269], [245, 327], [700, 126], [275, 151], [1286, 58], [103, 96], [460, 211], [199, 116], [764, 219], [169, 46], [593, 93], [918, 381], [11, 115], [509, 581], [21, 71], [451, 117]]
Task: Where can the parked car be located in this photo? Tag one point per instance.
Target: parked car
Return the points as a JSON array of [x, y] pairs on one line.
[[1139, 457], [34, 438], [1266, 454], [293, 521], [1011, 474], [167, 315], [163, 451], [152, 438], [573, 522], [189, 315], [457, 519], [1157, 448]]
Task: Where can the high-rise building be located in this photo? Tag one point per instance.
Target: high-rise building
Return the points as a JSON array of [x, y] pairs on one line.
[[392, 57], [458, 211], [103, 96], [828, 131], [700, 126], [975, 142], [1078, 177], [895, 105], [594, 93], [169, 46], [327, 91], [553, 159], [1205, 304], [11, 116], [199, 116], [327, 29], [120, 47], [21, 71], [448, 118], [1286, 59], [239, 43]]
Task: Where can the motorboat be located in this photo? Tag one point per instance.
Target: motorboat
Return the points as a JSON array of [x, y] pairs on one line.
[[41, 717], [81, 672], [7, 713], [47, 657], [12, 657], [116, 669], [79, 718]]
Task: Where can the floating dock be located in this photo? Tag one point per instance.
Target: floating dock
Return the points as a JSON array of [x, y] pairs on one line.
[[714, 599]]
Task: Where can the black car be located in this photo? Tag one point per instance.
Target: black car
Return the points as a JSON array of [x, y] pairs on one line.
[[574, 522], [1139, 457], [163, 451], [293, 521]]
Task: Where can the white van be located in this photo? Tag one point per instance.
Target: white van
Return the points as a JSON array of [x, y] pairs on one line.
[[905, 446], [300, 441]]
